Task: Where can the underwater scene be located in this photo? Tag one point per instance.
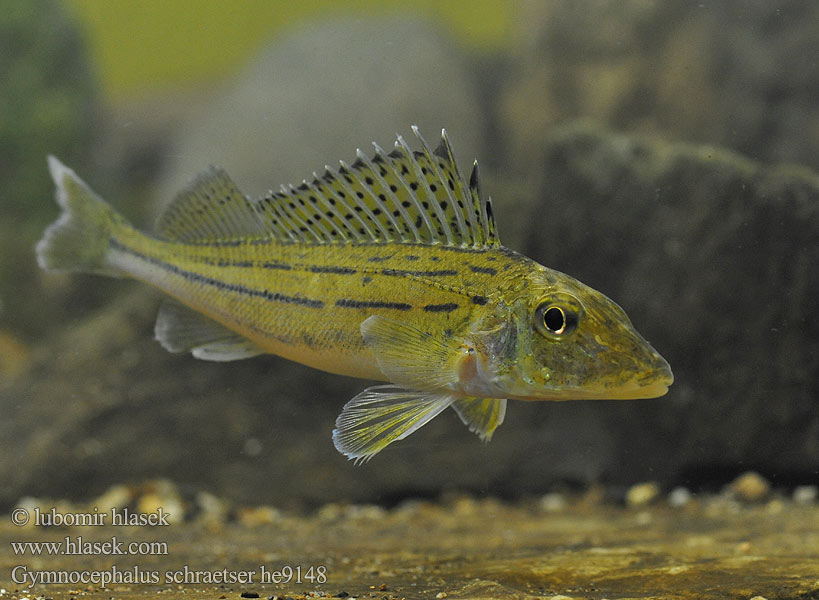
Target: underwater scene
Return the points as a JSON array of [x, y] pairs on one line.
[[252, 253]]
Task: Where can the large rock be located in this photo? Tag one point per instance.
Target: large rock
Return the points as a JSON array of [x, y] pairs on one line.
[[319, 92], [739, 74], [714, 257], [48, 104]]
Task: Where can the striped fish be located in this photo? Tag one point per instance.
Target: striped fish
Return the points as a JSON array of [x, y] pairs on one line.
[[387, 269]]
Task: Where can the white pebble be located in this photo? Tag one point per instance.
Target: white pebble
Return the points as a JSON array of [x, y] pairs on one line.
[[805, 494], [679, 497]]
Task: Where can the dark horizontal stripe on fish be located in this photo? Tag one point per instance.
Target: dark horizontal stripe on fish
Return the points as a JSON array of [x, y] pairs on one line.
[[484, 270], [276, 265], [335, 270], [402, 273], [449, 307], [221, 285], [246, 264], [346, 303], [479, 300]]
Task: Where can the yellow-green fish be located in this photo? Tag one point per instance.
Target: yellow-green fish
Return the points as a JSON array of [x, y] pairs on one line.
[[388, 269]]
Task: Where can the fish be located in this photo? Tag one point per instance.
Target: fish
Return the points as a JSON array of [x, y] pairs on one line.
[[387, 269]]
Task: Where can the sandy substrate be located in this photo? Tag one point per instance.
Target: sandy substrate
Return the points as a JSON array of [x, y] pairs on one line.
[[555, 547]]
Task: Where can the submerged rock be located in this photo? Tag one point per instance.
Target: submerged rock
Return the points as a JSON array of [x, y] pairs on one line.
[[714, 259], [737, 74], [322, 90]]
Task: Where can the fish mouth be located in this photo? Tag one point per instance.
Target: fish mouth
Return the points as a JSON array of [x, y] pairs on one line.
[[652, 383]]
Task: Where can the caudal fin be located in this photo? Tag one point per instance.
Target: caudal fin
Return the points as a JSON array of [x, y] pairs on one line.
[[78, 240]]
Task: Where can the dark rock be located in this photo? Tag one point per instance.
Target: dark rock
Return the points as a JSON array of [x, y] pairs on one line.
[[48, 104], [715, 260], [742, 75]]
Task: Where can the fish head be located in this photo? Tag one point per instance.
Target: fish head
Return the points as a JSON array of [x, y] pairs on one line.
[[556, 338]]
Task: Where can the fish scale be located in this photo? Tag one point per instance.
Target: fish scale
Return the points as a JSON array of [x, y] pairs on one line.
[[387, 269]]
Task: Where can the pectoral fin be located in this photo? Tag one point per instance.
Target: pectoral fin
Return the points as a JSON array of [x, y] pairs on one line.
[[408, 356], [482, 415], [181, 329], [381, 415]]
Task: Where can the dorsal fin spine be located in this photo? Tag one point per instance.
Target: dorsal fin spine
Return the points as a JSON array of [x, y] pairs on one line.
[[380, 204], [399, 153], [487, 216], [462, 191], [397, 203], [280, 210], [433, 200], [463, 233], [360, 202], [314, 186], [299, 214], [298, 224], [305, 187], [346, 206]]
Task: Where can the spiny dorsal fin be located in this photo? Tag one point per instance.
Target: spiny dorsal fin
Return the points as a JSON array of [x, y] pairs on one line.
[[403, 196], [211, 207]]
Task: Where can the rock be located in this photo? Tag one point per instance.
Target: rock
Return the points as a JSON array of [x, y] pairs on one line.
[[654, 67], [49, 104], [696, 243], [114, 498], [750, 487], [805, 494], [642, 494], [679, 497], [553, 502], [322, 90]]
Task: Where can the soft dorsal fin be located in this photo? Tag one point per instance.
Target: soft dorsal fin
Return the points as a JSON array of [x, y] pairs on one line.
[[403, 196], [211, 207]]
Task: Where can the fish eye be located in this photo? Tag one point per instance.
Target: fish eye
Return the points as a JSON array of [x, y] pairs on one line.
[[557, 317]]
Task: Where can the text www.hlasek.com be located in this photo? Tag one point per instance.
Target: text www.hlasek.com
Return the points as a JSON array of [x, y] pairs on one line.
[[78, 546]]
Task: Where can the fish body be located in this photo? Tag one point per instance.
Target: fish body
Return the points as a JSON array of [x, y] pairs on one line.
[[389, 269]]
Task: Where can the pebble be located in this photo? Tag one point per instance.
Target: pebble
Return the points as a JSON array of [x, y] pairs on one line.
[[213, 510], [162, 494], [115, 497], [553, 502], [642, 494], [805, 494], [679, 497], [750, 487], [258, 515]]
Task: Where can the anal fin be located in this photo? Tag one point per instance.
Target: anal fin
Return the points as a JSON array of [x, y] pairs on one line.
[[482, 415], [181, 329], [381, 415]]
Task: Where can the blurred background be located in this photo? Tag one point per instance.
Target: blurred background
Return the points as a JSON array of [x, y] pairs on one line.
[[664, 152]]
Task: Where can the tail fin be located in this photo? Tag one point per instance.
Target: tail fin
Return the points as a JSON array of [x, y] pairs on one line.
[[78, 240]]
